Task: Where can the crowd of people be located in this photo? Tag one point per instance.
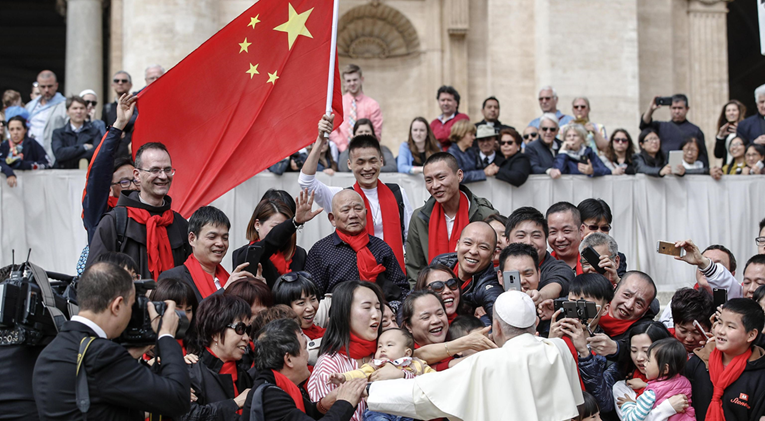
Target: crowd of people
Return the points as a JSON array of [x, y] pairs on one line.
[[453, 309]]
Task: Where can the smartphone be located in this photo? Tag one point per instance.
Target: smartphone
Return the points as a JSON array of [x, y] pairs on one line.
[[593, 258], [675, 159], [584, 160], [512, 280], [700, 329], [720, 296], [663, 100], [760, 165], [665, 247]]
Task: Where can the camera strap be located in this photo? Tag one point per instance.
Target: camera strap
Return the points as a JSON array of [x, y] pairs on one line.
[[82, 394], [48, 299]]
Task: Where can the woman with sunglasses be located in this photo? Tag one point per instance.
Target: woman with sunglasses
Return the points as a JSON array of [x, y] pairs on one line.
[[618, 156], [297, 290], [514, 166], [424, 315], [219, 380], [441, 280]]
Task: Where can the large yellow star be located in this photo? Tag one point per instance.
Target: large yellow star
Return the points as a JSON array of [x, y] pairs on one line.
[[272, 78], [253, 70], [243, 46], [295, 25], [254, 21]]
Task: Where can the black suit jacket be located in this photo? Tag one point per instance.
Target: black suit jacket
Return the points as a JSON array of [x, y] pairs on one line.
[[514, 170], [751, 128], [540, 156], [17, 401], [120, 388]]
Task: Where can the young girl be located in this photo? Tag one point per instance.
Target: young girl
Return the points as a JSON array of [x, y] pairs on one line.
[[589, 410], [666, 360]]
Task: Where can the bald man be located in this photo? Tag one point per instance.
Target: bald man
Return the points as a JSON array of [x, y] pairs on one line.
[[351, 253], [473, 259], [47, 112]]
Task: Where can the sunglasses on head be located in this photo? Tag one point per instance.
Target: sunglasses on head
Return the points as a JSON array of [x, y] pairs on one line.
[[438, 286], [529, 135], [294, 276], [240, 328]]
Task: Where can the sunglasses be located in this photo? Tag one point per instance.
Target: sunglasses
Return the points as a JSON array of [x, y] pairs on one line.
[[530, 135], [120, 81], [604, 228], [438, 286], [506, 142], [621, 140], [545, 98], [240, 328], [89, 103], [294, 276], [548, 129], [579, 107]]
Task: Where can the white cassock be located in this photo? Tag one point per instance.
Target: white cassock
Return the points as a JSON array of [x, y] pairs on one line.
[[528, 379]]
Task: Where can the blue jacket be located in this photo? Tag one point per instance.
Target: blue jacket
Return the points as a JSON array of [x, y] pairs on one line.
[[567, 165], [467, 162], [751, 128], [405, 160], [69, 146], [540, 156], [599, 379], [35, 157]]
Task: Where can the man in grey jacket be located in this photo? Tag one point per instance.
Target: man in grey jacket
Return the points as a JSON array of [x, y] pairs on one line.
[[47, 112]]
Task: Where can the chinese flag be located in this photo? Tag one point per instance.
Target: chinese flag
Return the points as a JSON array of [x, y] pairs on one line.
[[248, 97]]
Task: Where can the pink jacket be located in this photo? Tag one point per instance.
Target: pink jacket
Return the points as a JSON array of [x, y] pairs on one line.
[[667, 388]]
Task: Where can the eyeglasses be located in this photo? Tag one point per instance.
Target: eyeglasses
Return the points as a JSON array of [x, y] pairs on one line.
[[760, 241], [506, 142], [545, 98], [157, 171], [240, 328], [621, 140], [120, 81], [438, 286], [579, 107], [548, 129], [604, 228], [125, 183], [530, 135], [89, 103]]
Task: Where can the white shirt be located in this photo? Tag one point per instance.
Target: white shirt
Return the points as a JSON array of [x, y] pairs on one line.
[[491, 157], [217, 282], [91, 324], [37, 123], [450, 221]]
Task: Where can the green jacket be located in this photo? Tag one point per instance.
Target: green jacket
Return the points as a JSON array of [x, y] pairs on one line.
[[417, 240]]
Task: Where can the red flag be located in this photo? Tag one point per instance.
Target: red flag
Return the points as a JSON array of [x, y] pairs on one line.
[[248, 97]]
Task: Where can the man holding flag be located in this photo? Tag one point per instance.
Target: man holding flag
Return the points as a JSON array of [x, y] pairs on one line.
[[388, 208]]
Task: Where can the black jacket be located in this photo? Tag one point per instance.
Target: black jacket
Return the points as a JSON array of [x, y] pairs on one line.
[[743, 400], [215, 392], [261, 252], [622, 341], [109, 116], [98, 186], [17, 401], [751, 128], [120, 388], [514, 170], [482, 290], [106, 235], [69, 146], [645, 164], [279, 406], [540, 156], [34, 157], [673, 134]]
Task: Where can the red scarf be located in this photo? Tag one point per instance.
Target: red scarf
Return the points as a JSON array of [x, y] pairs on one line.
[[451, 317], [572, 348], [112, 202], [279, 261], [285, 384], [438, 236], [229, 367], [314, 332], [639, 375], [359, 348], [614, 327], [439, 366], [391, 219], [204, 282], [721, 378], [157, 243], [578, 268], [365, 260]]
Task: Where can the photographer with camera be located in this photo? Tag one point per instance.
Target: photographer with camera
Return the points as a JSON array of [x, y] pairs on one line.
[[673, 132], [83, 371]]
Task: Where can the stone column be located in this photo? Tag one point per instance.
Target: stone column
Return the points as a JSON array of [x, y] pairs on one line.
[[84, 47], [115, 46], [708, 65], [457, 18]]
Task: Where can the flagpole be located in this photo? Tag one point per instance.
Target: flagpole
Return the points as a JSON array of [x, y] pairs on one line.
[[332, 55]]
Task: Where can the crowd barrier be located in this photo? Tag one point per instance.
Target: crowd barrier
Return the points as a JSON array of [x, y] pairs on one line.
[[43, 213]]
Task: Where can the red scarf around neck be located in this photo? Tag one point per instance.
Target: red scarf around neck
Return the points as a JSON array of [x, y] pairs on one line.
[[391, 219], [451, 317], [112, 202], [575, 354], [157, 242], [639, 375], [721, 378], [614, 327], [365, 260], [439, 241], [280, 262], [314, 332], [204, 282], [578, 268], [285, 384], [229, 367], [359, 348]]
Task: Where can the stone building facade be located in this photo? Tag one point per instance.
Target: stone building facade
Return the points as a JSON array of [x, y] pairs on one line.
[[618, 53]]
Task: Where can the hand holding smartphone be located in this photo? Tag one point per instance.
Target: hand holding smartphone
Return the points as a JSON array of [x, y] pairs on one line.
[[512, 280], [593, 258], [665, 247]]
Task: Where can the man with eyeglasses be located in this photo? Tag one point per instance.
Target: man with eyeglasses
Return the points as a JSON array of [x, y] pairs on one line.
[[47, 112], [122, 83], [760, 240], [596, 217], [542, 151], [548, 103], [142, 225]]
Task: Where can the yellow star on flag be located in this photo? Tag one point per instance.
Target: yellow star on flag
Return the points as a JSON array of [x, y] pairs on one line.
[[253, 70], [295, 25], [254, 21], [272, 78], [243, 46]]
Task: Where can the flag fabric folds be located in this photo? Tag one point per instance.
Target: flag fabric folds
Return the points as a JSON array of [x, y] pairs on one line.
[[248, 97]]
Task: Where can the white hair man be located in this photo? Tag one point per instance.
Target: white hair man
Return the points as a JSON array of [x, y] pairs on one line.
[[538, 377], [548, 103], [752, 129], [152, 73]]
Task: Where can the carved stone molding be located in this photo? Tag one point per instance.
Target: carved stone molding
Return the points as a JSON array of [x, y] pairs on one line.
[[376, 31]]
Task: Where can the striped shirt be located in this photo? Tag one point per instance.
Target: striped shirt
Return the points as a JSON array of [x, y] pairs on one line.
[[319, 386], [638, 411]]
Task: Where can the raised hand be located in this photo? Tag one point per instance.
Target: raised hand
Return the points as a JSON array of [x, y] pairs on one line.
[[303, 211], [125, 108]]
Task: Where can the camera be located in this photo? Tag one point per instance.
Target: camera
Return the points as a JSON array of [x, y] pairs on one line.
[[139, 331], [581, 309], [32, 307]]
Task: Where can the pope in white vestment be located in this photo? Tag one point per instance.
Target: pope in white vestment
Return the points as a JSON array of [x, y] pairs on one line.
[[527, 378]]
